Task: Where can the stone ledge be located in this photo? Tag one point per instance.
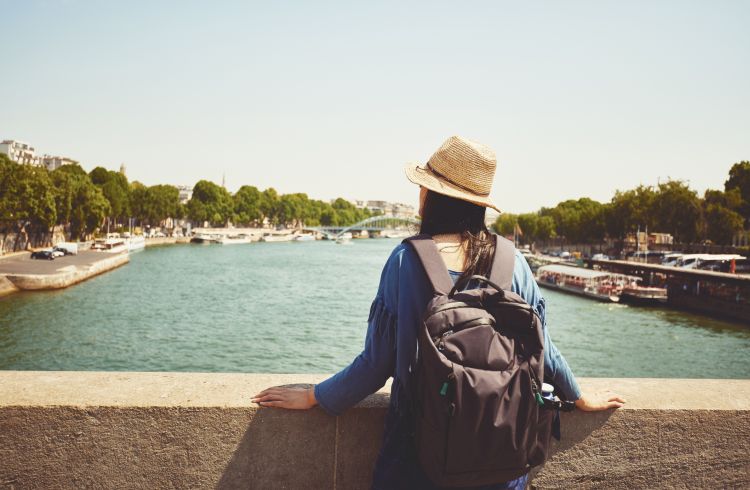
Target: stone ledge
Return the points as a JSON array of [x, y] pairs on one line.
[[199, 430]]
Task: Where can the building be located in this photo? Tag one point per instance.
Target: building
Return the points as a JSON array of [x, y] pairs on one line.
[[186, 192], [19, 152], [52, 162]]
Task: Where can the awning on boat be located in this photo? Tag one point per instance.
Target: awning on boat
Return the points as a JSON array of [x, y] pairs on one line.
[[573, 271]]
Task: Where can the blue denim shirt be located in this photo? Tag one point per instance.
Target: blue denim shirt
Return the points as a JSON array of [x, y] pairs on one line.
[[391, 341]]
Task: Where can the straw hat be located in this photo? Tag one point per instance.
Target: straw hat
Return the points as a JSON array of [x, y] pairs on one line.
[[459, 168]]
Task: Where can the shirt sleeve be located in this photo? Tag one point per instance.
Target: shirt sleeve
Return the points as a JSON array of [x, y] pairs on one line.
[[555, 365], [369, 371]]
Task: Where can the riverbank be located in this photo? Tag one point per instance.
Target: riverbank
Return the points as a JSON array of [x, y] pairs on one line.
[[22, 273], [672, 433]]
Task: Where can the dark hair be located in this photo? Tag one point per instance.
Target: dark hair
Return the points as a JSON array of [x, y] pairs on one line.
[[444, 214]]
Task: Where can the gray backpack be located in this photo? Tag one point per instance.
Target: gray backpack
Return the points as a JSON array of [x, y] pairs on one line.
[[479, 413]]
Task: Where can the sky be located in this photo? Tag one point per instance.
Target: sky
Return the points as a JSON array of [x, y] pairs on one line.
[[577, 98]]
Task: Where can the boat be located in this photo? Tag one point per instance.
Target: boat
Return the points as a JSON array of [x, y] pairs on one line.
[[110, 245], [599, 285], [344, 239], [234, 239], [271, 237], [636, 294], [304, 238], [136, 243], [203, 238]]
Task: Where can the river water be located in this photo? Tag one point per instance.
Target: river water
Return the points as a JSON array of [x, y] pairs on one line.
[[302, 308]]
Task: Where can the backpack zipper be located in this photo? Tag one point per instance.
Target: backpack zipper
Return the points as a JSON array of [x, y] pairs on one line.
[[535, 388]]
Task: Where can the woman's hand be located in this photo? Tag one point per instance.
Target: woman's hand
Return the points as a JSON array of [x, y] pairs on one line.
[[594, 402], [286, 397]]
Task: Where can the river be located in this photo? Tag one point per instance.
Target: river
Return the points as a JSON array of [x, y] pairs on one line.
[[302, 308]]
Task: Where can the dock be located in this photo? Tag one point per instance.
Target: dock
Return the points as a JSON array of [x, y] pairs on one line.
[[718, 294], [22, 273]]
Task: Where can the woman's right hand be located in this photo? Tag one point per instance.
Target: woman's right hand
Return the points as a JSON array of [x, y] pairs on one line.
[[594, 402]]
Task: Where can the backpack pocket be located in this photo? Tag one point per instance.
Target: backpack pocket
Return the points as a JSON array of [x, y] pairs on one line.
[[491, 424]]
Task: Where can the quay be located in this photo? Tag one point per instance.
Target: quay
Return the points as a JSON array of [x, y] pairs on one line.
[[22, 273], [718, 294], [199, 430]]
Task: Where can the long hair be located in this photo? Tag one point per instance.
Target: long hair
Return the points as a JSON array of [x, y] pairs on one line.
[[443, 214]]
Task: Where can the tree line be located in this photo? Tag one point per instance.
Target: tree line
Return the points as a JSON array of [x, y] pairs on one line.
[[669, 207], [33, 200]]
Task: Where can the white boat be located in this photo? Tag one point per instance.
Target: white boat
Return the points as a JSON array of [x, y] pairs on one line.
[[636, 294], [203, 238], [344, 239], [600, 285], [304, 238], [234, 239], [110, 245], [270, 237], [136, 243]]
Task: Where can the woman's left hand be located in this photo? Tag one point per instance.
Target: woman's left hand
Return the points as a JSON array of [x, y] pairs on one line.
[[286, 397]]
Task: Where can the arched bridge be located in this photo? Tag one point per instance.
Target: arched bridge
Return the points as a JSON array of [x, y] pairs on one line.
[[374, 223]]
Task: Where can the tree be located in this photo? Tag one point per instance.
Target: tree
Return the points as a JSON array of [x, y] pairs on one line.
[[677, 210], [210, 202], [79, 202], [247, 204], [161, 202], [722, 218], [739, 178], [505, 224], [269, 205], [26, 196], [630, 210]]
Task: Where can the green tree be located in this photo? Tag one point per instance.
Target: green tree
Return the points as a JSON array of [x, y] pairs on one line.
[[630, 210], [269, 205], [26, 196], [505, 224], [739, 178], [210, 202], [721, 217], [247, 204], [79, 202], [677, 210], [161, 202]]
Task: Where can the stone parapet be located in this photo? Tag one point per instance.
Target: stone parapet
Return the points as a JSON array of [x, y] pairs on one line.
[[199, 430]]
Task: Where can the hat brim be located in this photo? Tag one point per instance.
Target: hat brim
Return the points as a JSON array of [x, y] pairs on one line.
[[426, 178]]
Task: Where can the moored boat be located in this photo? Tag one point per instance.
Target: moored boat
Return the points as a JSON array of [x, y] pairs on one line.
[[636, 294], [306, 237], [270, 237], [234, 239], [599, 285]]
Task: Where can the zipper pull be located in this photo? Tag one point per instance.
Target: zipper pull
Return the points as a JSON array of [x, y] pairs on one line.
[[444, 389]]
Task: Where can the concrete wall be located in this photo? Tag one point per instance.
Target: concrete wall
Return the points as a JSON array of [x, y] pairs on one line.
[[180, 430]]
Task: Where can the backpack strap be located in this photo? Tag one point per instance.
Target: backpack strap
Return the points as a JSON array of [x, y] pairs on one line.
[[503, 263], [437, 272]]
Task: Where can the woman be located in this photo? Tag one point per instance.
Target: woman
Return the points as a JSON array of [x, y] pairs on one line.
[[454, 194]]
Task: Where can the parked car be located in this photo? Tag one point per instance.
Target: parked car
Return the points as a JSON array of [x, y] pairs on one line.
[[43, 255], [69, 248], [60, 251], [600, 257]]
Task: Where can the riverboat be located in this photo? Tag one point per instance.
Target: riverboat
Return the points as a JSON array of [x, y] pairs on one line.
[[599, 285], [110, 245], [234, 239], [306, 237], [636, 294], [270, 237], [203, 238]]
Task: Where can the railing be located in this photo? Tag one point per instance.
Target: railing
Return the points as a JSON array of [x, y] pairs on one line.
[[197, 430]]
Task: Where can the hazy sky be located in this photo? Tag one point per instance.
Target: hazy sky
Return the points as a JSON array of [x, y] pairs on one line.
[[332, 98]]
